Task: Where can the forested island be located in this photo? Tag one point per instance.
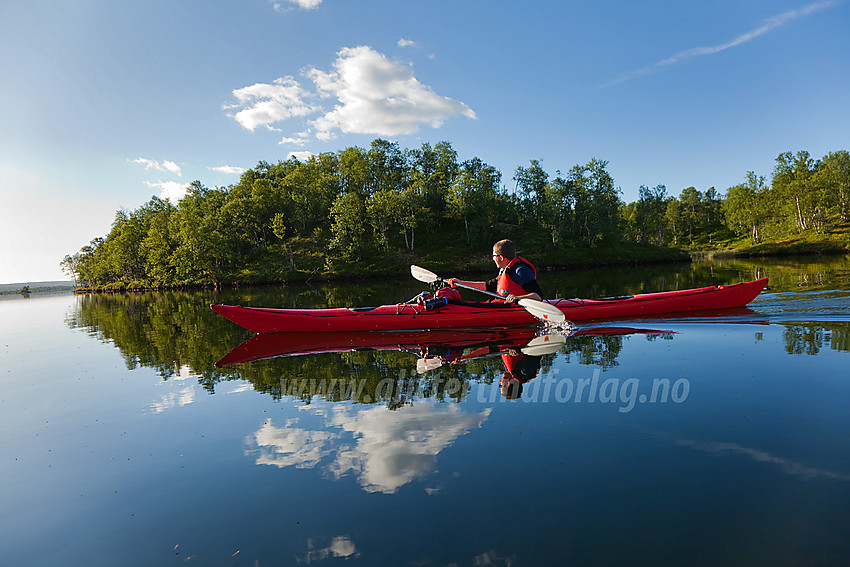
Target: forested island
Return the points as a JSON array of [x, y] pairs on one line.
[[372, 212]]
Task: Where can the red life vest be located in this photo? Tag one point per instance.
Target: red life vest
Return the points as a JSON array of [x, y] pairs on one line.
[[510, 362], [505, 285]]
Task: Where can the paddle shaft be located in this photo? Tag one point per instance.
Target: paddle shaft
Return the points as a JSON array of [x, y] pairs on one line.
[[473, 288]]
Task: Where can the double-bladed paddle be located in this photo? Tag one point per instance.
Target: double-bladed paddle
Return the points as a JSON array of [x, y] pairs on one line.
[[541, 310], [538, 346]]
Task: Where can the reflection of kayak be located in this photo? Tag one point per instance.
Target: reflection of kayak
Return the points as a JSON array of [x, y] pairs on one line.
[[273, 345], [413, 316]]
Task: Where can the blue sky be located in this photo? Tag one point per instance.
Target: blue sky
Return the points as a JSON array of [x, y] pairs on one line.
[[104, 104]]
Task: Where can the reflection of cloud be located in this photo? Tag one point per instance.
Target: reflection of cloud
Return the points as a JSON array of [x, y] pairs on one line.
[[178, 398], [340, 546], [241, 389], [393, 448], [182, 397], [789, 467], [388, 449], [287, 447], [492, 558]]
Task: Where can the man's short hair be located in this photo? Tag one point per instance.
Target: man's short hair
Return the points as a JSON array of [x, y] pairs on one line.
[[510, 387], [506, 248]]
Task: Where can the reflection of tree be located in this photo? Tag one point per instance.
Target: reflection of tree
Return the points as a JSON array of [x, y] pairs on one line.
[[162, 331], [176, 330], [600, 350], [793, 273], [172, 332], [810, 338]]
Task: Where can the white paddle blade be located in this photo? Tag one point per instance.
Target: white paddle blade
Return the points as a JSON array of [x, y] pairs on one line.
[[546, 344], [424, 365], [543, 311], [423, 275]]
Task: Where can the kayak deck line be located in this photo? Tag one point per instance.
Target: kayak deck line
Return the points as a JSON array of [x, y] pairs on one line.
[[457, 314]]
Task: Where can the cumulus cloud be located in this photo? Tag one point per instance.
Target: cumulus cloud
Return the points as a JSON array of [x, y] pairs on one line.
[[228, 169], [164, 165], [169, 190], [264, 104], [379, 96], [768, 26], [406, 42], [365, 92]]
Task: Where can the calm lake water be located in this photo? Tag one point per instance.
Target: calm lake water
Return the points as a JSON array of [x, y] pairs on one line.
[[712, 440]]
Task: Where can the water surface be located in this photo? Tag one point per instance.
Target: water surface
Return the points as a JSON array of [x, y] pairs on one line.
[[699, 440]]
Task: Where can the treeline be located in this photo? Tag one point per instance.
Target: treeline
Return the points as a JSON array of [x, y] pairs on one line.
[[805, 196], [358, 205]]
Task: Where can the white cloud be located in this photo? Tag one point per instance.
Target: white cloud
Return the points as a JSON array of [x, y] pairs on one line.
[[305, 4], [406, 42], [266, 104], [228, 169], [170, 190], [300, 156], [296, 141], [370, 94], [769, 25], [165, 165], [380, 96]]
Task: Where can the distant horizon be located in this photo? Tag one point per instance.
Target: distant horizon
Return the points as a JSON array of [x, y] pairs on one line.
[[35, 282]]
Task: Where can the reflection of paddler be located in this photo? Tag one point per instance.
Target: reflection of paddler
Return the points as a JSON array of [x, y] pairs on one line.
[[521, 368]]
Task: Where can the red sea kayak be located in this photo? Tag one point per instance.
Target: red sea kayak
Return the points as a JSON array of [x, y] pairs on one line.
[[463, 314]]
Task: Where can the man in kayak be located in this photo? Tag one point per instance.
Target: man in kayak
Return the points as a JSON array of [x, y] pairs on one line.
[[517, 277]]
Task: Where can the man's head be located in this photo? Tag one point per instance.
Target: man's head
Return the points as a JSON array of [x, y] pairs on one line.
[[511, 387], [503, 252]]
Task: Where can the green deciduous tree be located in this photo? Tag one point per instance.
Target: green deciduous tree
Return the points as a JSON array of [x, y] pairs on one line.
[[748, 207], [474, 198], [348, 229]]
